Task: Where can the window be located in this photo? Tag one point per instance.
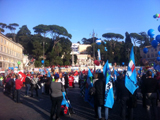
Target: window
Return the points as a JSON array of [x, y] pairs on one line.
[[1, 48], [151, 50], [4, 49], [152, 55], [156, 49], [159, 48], [144, 56], [156, 55], [148, 56], [4, 41]]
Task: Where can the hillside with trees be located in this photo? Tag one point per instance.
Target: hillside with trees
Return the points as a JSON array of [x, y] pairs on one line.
[[53, 39], [53, 43]]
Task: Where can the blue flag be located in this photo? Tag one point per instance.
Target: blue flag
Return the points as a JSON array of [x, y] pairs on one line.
[[140, 71], [109, 96], [64, 101], [130, 78], [89, 98], [89, 78]]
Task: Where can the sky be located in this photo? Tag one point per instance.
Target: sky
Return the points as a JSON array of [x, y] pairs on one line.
[[81, 17]]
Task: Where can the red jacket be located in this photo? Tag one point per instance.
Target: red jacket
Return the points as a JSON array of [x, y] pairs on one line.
[[18, 84], [71, 79]]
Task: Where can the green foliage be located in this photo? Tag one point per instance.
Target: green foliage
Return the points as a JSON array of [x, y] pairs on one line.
[[12, 27], [37, 63], [2, 26], [113, 36], [24, 31], [136, 38], [56, 61], [56, 30], [88, 41], [128, 38], [47, 63], [67, 62], [1, 30], [146, 39], [41, 29], [24, 38]]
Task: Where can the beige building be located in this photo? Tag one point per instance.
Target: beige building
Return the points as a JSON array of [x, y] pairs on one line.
[[83, 58], [10, 53], [152, 53]]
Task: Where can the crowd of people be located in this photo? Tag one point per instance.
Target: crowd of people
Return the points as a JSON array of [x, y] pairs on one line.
[[52, 85], [148, 91], [56, 83]]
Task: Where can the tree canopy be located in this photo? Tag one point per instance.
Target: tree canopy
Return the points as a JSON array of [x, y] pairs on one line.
[[112, 36]]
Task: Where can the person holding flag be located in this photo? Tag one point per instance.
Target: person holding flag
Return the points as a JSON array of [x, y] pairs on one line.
[[89, 84], [130, 78], [109, 95], [131, 84], [100, 95]]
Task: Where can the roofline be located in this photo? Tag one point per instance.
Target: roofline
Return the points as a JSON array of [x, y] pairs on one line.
[[12, 41]]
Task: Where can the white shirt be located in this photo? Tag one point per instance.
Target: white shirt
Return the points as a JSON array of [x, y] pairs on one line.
[[63, 81]]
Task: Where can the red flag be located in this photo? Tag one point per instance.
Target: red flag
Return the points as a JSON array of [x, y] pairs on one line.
[[22, 76]]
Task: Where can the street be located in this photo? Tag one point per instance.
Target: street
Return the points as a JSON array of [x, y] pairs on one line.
[[39, 108]]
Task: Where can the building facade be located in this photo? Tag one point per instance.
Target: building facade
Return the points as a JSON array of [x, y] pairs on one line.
[[83, 57], [10, 53], [152, 54]]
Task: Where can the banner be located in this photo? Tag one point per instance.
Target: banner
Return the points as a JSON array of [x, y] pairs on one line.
[[99, 54]]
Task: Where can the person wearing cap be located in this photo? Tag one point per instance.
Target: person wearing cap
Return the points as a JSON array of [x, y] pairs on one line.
[[56, 89]]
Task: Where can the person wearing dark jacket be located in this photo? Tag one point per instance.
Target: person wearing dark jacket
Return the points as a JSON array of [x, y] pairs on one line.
[[56, 89], [99, 95], [47, 85], [13, 78], [66, 81], [28, 85], [95, 104], [142, 90], [150, 89], [126, 98]]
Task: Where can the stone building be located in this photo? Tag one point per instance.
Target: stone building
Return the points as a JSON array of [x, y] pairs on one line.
[[152, 54], [10, 53], [83, 57]]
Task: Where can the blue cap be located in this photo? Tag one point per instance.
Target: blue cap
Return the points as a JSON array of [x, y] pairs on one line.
[[56, 76]]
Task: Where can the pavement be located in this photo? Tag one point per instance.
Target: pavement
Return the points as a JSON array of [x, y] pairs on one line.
[[38, 108]]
